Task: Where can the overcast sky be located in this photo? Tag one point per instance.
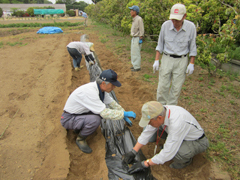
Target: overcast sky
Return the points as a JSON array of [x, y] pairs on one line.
[[87, 1]]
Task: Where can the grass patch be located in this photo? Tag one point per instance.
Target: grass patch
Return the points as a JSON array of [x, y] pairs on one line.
[[14, 44], [1, 44]]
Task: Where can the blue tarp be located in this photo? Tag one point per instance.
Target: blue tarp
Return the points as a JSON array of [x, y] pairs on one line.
[[49, 30], [48, 11]]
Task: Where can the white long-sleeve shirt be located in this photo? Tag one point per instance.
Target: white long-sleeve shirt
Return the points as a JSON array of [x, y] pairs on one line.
[[82, 47], [86, 98], [180, 125]]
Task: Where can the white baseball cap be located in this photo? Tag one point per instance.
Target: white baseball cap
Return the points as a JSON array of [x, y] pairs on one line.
[[177, 12], [150, 110]]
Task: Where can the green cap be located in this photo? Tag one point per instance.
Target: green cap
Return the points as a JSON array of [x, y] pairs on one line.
[[150, 110]]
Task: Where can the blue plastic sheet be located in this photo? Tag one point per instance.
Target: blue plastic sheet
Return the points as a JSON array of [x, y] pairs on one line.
[[49, 30]]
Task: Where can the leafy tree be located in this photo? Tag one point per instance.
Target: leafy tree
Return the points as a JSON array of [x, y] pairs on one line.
[[96, 1], [82, 4], [60, 2], [47, 2], [65, 1], [1, 12]]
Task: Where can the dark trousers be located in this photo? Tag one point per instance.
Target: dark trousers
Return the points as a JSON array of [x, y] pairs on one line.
[[76, 55], [87, 123]]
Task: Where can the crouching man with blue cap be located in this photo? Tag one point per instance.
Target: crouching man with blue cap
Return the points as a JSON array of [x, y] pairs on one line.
[[184, 136], [86, 106]]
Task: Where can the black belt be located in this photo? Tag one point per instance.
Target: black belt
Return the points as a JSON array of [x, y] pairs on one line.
[[201, 136], [175, 56], [87, 113]]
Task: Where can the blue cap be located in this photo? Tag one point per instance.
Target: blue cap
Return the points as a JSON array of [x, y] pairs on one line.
[[110, 76], [135, 8]]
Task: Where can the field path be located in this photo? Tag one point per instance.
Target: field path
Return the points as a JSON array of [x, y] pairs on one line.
[[34, 80]]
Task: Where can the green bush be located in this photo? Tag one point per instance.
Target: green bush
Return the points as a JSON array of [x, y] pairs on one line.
[[71, 13], [19, 13], [30, 11]]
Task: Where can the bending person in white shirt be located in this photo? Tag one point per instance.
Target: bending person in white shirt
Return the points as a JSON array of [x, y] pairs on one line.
[[86, 106], [184, 136], [76, 49]]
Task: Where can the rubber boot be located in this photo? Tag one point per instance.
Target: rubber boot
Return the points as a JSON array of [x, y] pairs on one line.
[[82, 144]]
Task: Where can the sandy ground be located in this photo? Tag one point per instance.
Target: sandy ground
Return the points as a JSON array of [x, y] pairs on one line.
[[36, 80]]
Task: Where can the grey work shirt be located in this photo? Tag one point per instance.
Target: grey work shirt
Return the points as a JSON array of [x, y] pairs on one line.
[[175, 42], [137, 29]]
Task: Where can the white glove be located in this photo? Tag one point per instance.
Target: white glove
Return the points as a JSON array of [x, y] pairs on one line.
[[155, 65], [190, 69]]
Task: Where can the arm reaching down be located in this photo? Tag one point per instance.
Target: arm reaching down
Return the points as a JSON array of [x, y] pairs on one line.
[[115, 105], [112, 114]]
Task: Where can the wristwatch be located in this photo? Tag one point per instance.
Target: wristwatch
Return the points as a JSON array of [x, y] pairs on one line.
[[148, 162]]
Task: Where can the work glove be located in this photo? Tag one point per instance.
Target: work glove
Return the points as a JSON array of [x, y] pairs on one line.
[[129, 157], [130, 114], [139, 166], [89, 58], [190, 68], [140, 41], [128, 121], [156, 65]]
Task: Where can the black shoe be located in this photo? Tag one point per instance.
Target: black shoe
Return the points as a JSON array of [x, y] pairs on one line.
[[131, 67], [136, 69]]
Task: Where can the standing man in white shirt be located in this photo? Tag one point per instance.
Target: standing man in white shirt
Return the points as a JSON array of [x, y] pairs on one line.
[[86, 106], [184, 136], [137, 33], [177, 39]]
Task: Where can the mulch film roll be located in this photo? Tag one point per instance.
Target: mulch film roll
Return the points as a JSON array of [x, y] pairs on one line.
[[119, 139]]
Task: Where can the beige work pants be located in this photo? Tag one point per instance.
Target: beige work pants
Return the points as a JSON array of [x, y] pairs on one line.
[[172, 72], [136, 53]]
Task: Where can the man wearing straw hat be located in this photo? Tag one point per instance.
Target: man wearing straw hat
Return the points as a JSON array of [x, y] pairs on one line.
[[184, 136]]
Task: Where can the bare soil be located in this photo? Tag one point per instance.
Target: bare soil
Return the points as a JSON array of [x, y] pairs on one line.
[[36, 79]]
